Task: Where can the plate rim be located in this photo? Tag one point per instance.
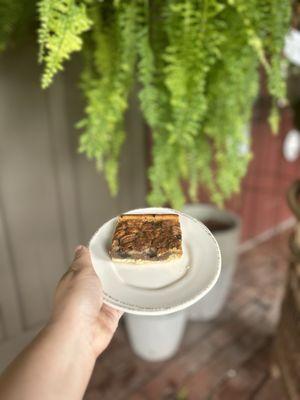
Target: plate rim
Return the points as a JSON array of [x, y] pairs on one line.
[[155, 311]]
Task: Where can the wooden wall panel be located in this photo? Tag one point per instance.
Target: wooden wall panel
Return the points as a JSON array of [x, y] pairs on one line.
[[262, 202], [51, 198], [28, 187], [59, 131], [10, 296], [2, 328]]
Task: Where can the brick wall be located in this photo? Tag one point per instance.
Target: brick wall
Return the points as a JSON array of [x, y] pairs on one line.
[[262, 201]]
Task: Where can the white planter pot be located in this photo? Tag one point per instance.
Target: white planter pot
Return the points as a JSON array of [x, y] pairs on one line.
[[155, 338], [228, 239]]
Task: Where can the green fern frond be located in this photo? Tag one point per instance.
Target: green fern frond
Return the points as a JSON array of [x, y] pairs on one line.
[[45, 11], [62, 22], [106, 83], [228, 115], [197, 66], [266, 23]]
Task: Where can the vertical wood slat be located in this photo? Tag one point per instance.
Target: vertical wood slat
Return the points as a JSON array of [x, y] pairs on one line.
[[3, 335], [51, 198], [28, 185], [61, 153], [132, 193], [95, 204], [10, 300], [287, 341]]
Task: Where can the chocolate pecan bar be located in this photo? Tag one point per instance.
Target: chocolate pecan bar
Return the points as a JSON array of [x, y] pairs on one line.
[[142, 238]]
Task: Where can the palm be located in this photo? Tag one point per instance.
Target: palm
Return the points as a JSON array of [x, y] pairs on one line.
[[79, 297]]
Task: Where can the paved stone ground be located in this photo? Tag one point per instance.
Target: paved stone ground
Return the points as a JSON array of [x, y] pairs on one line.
[[226, 359]]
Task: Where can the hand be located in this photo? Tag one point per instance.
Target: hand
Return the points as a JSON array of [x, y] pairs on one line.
[[78, 304], [58, 363]]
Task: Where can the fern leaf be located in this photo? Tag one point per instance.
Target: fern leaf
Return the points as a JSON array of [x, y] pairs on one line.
[[106, 82], [62, 24]]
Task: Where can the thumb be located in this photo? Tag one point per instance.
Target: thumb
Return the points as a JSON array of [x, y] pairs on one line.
[[82, 258], [79, 250]]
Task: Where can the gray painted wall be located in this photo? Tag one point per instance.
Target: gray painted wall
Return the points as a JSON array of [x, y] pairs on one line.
[[51, 199]]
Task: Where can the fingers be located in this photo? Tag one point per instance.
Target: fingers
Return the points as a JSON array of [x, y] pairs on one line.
[[82, 259], [80, 251], [111, 313]]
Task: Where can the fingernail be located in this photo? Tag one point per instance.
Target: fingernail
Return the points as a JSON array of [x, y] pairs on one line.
[[78, 250]]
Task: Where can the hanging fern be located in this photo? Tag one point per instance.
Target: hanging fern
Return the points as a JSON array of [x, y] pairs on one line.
[[106, 83], [197, 64], [227, 115], [61, 24], [264, 22]]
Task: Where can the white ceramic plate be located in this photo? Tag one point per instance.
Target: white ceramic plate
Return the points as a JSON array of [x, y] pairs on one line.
[[158, 288]]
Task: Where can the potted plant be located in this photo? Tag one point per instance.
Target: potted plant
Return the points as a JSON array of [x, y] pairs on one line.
[[155, 338], [197, 68], [225, 226]]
